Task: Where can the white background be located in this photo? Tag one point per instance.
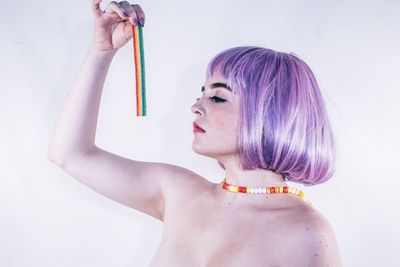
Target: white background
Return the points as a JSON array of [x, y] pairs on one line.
[[47, 218]]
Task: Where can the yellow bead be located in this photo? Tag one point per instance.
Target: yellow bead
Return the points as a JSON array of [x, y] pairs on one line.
[[290, 190], [235, 188], [301, 194], [247, 189], [276, 189], [280, 189]]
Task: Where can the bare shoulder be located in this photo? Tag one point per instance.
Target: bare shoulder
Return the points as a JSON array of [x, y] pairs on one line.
[[179, 181], [314, 238]]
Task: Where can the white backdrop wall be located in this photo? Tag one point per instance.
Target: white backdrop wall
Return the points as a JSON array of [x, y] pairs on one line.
[[47, 218]]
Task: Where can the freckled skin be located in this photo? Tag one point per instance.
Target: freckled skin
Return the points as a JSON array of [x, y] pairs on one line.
[[219, 120], [207, 229], [203, 225], [211, 232]]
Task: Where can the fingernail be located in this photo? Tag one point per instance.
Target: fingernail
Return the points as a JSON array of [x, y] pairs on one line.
[[141, 20]]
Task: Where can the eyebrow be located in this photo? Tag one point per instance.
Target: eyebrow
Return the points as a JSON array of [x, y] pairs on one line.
[[215, 85]]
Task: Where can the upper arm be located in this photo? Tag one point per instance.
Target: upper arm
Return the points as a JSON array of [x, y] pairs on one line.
[[136, 184]]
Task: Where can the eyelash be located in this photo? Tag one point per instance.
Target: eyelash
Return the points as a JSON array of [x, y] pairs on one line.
[[215, 99]]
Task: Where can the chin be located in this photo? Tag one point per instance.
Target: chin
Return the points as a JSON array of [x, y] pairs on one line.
[[211, 153], [198, 149]]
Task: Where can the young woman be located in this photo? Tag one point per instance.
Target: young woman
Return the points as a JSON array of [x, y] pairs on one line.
[[261, 116]]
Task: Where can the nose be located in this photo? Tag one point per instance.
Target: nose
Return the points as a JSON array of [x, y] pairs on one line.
[[197, 109]]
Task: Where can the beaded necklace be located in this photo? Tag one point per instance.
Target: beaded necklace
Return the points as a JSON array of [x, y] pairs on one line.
[[262, 190]]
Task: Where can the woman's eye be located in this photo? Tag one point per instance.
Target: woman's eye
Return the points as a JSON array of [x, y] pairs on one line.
[[217, 99], [214, 99]]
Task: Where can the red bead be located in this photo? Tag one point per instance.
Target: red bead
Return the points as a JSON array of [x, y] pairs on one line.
[[242, 189], [285, 189], [272, 189], [224, 185]]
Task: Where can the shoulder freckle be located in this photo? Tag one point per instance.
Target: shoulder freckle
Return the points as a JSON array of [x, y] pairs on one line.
[[319, 236], [312, 227]]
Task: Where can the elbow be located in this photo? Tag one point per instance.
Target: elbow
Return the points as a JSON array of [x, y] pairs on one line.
[[61, 158], [55, 159]]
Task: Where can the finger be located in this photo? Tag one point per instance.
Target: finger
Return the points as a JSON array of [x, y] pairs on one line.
[[96, 10], [139, 13], [115, 8], [130, 11]]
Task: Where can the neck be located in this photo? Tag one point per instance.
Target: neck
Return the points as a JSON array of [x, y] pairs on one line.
[[254, 178], [250, 178]]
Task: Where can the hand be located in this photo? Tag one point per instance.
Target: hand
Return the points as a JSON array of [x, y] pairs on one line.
[[113, 26]]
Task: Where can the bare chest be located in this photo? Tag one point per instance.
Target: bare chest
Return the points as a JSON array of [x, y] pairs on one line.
[[209, 235]]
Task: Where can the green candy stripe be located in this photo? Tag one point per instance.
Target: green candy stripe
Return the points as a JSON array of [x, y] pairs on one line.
[[142, 67]]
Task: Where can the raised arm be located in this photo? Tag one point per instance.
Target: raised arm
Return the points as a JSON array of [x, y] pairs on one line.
[[75, 130], [140, 185]]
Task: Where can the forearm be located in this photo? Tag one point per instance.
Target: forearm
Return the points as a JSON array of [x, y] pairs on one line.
[[75, 129]]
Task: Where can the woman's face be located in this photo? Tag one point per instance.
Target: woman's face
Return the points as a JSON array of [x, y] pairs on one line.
[[217, 112]]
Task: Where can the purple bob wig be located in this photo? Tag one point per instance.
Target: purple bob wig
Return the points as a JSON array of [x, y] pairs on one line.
[[283, 123]]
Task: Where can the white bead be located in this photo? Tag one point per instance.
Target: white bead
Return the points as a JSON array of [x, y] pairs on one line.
[[264, 190]]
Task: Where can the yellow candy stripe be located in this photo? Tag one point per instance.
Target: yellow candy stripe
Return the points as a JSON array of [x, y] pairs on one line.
[[138, 51]]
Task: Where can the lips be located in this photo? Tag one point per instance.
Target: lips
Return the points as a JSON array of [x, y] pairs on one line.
[[197, 128]]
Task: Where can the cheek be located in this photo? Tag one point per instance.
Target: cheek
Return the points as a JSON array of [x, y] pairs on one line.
[[227, 123], [226, 120]]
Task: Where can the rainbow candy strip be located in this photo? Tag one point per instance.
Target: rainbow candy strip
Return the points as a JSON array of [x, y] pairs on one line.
[[138, 52]]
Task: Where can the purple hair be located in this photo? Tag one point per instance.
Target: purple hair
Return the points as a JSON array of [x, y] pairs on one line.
[[283, 124]]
